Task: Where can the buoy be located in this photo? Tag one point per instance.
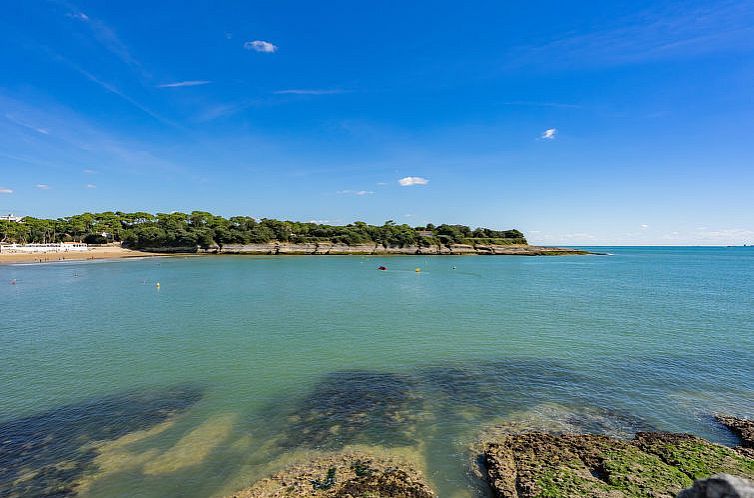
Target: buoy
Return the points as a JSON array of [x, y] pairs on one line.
[[157, 285], [418, 270], [13, 282], [454, 267]]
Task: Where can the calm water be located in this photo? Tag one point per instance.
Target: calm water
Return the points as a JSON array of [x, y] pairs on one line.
[[259, 358]]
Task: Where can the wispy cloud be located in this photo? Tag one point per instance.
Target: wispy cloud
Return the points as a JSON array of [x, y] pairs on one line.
[[90, 185], [4, 190], [309, 92], [42, 186], [644, 227], [179, 84], [681, 30], [78, 15], [115, 91], [89, 171], [549, 134], [108, 39], [223, 110], [355, 192], [412, 180], [20, 122], [260, 46], [711, 236]]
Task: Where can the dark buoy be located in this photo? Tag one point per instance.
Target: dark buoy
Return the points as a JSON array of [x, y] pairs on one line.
[[383, 268]]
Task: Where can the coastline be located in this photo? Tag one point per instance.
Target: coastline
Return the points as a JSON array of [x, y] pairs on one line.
[[109, 252], [275, 249], [331, 249]]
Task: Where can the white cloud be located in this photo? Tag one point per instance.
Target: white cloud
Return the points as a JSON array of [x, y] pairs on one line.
[[260, 46], [42, 186], [412, 180], [90, 185], [308, 92], [644, 227], [179, 84], [549, 134], [355, 192], [4, 190], [78, 15], [89, 172]]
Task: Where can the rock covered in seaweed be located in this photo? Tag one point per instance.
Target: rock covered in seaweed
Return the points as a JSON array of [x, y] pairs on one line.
[[571, 465], [347, 474]]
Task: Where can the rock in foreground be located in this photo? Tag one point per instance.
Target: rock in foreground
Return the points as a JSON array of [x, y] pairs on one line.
[[720, 486], [571, 465], [343, 475]]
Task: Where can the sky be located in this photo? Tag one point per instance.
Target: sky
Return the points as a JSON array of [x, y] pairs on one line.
[[579, 123]]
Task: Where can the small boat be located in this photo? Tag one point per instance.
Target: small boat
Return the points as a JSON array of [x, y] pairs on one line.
[[383, 268]]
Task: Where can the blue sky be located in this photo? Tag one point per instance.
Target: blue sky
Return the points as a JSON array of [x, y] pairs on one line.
[[578, 122]]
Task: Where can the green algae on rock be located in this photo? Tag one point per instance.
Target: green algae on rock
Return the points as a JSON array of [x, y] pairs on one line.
[[652, 464], [346, 474]]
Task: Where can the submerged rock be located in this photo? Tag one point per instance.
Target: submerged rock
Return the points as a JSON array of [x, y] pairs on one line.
[[45, 455], [569, 465], [720, 486], [355, 406], [346, 474], [555, 418]]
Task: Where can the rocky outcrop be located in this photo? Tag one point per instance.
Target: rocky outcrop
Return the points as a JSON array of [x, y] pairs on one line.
[[743, 428], [323, 248], [343, 475], [570, 465], [720, 486]]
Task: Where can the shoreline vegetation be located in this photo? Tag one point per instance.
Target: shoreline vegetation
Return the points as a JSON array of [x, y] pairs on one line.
[[132, 234]]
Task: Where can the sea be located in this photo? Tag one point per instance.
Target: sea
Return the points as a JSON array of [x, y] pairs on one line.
[[234, 367]]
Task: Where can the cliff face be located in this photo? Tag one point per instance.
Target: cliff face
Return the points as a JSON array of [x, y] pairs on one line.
[[274, 248]]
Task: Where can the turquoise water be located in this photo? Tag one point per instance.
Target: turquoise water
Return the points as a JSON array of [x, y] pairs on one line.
[[264, 357]]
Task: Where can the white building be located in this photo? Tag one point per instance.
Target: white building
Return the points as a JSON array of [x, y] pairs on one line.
[[40, 248], [10, 217]]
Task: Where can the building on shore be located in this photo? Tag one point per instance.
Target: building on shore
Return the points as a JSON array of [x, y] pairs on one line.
[[44, 248], [11, 217]]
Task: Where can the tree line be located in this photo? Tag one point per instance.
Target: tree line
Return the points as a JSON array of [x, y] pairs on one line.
[[199, 228]]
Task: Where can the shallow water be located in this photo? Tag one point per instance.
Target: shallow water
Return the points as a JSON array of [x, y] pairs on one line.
[[259, 359]]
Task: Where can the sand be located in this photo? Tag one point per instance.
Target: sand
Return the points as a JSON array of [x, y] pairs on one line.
[[108, 252]]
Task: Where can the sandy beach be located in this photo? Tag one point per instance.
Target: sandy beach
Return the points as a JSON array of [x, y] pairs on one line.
[[110, 252]]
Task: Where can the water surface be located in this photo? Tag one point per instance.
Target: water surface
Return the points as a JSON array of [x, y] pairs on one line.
[[237, 363]]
